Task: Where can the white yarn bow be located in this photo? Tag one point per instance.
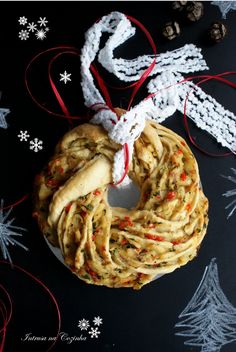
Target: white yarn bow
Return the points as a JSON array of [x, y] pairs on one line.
[[204, 110]]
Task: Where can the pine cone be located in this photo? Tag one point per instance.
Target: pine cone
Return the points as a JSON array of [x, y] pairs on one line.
[[179, 5], [171, 30], [217, 31], [194, 11]]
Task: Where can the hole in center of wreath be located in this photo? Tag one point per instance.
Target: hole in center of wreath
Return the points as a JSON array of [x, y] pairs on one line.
[[126, 197]]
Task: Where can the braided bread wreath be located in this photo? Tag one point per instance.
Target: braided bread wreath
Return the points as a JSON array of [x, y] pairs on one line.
[[117, 247]]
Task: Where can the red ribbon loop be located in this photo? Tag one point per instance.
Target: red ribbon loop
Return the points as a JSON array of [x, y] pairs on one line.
[[136, 86], [64, 50]]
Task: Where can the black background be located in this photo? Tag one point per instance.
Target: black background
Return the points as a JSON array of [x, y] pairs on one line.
[[132, 321]]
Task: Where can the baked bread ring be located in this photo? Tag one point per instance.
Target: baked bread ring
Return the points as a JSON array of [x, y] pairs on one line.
[[117, 247]]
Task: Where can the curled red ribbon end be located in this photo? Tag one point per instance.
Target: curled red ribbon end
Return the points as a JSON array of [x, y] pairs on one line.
[[7, 315], [21, 200], [136, 86], [101, 83], [205, 79], [63, 50]]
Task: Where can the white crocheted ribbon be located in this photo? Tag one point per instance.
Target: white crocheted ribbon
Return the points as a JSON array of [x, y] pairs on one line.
[[204, 110], [186, 59], [169, 96]]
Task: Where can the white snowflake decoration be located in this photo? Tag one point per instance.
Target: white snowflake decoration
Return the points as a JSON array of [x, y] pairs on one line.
[[209, 319], [36, 145], [3, 114], [97, 321], [231, 193], [32, 27], [83, 324], [225, 6], [23, 136], [37, 28], [65, 77], [94, 332], [22, 21], [23, 34], [42, 21], [8, 232], [40, 34]]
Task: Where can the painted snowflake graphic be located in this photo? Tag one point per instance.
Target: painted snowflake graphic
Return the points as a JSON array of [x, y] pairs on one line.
[[23, 34], [40, 34], [8, 232], [37, 28], [42, 21], [231, 193], [23, 136], [22, 21], [94, 332], [36, 145], [65, 77], [3, 114], [225, 6], [97, 321], [32, 27], [83, 324]]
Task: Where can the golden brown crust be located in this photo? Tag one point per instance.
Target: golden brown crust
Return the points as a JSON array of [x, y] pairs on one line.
[[79, 185], [86, 131], [117, 247]]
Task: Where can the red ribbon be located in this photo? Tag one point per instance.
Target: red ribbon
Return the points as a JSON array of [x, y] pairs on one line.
[[207, 78], [136, 86], [21, 200], [126, 168], [102, 86], [66, 50], [101, 83], [147, 72], [204, 78], [6, 315]]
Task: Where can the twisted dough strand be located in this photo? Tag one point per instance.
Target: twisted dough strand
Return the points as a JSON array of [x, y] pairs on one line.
[[117, 247]]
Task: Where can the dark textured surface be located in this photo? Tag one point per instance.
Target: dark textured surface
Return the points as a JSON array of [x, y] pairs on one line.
[[133, 321]]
